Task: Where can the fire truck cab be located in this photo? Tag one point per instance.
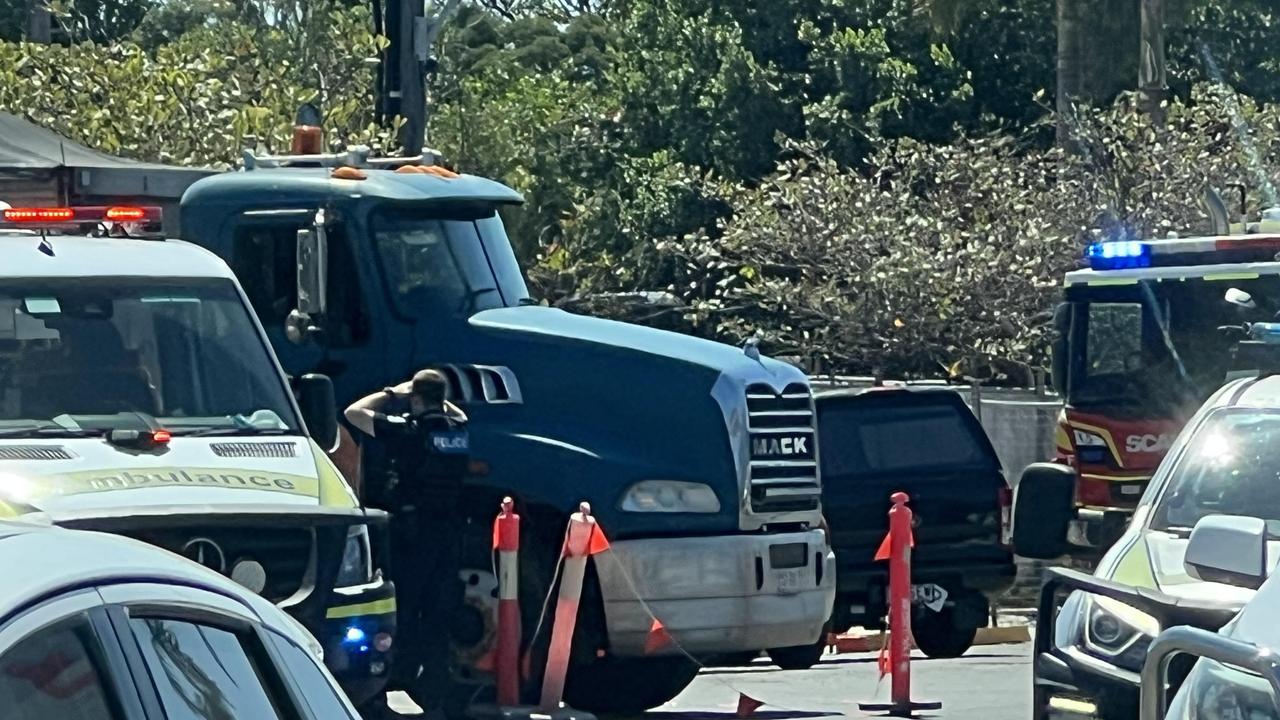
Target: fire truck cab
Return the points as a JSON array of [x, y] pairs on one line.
[[1141, 341]]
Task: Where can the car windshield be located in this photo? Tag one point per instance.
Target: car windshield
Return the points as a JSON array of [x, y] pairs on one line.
[[1231, 467], [1122, 337], [453, 263], [122, 353]]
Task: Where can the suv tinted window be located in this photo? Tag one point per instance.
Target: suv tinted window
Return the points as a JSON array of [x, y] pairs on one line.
[[864, 438], [202, 672], [53, 676]]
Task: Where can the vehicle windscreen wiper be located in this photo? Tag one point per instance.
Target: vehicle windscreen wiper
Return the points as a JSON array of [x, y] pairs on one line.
[[49, 431], [227, 431]]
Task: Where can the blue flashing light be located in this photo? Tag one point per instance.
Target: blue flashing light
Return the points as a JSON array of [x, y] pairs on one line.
[[354, 635], [1114, 255]]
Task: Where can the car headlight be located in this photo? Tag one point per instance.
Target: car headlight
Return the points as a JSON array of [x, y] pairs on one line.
[[356, 566], [1215, 692], [1117, 632], [671, 496]]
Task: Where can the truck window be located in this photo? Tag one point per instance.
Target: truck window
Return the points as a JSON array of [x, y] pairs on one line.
[[265, 259], [95, 354], [455, 264], [1115, 334], [865, 440]]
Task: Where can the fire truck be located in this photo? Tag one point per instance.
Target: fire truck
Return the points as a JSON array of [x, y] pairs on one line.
[[1144, 333]]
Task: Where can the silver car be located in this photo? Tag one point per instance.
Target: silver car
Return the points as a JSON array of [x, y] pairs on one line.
[[100, 627]]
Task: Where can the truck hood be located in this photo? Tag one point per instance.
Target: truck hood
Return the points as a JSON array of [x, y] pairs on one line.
[[557, 323], [87, 475]]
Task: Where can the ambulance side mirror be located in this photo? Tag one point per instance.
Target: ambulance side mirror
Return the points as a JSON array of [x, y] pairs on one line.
[[319, 409]]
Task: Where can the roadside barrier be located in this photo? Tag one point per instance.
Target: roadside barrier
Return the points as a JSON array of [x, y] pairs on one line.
[[895, 658], [506, 541], [582, 540]]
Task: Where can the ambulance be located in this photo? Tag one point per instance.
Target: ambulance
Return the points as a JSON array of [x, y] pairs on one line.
[[140, 396]]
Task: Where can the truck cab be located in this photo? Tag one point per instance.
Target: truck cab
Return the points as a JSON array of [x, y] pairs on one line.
[[699, 459], [1140, 345], [139, 396]]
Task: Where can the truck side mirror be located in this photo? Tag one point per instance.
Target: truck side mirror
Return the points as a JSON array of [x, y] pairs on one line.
[[1230, 549], [1058, 359], [1043, 507], [313, 258], [319, 409]]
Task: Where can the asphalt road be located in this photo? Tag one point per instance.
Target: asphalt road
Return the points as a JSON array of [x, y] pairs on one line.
[[989, 683]]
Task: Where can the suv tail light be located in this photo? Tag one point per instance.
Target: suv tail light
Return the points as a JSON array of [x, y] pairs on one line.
[[1005, 500]]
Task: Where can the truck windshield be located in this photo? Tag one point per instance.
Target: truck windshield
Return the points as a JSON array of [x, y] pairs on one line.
[[119, 353], [456, 262], [1231, 467], [1154, 347]]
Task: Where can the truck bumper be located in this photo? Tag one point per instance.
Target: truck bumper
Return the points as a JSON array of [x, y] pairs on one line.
[[718, 594], [354, 620]]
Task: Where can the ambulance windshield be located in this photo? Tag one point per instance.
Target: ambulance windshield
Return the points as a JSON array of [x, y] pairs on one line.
[[116, 353]]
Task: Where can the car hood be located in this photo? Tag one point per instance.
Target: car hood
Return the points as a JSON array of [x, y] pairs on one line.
[[84, 475], [581, 328], [1153, 559]]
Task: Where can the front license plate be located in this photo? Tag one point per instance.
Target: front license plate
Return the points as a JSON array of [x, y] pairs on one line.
[[789, 581], [929, 595]]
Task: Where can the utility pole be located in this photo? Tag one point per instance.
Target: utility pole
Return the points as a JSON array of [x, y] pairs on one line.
[[1152, 83], [1070, 66], [412, 30], [39, 22]]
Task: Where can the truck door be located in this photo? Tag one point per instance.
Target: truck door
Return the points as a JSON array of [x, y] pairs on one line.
[[265, 258]]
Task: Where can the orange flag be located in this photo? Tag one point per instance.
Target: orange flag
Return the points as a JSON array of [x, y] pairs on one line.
[[658, 638], [747, 706], [598, 543], [883, 552]]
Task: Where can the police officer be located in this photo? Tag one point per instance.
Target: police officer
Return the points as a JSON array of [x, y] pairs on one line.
[[428, 453]]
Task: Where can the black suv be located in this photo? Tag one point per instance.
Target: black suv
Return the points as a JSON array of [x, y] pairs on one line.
[[923, 441]]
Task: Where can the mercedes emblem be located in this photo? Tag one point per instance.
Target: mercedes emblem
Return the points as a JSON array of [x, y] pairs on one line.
[[207, 553]]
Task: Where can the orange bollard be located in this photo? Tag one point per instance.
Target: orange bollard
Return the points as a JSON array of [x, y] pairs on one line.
[[580, 542], [506, 540], [898, 544]]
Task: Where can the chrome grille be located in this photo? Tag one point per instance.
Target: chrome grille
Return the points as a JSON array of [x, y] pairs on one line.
[[255, 449], [34, 452], [784, 456]]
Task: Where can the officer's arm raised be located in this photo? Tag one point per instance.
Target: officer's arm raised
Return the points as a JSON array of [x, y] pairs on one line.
[[365, 412]]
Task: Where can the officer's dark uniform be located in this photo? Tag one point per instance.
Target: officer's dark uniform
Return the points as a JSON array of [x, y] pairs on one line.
[[427, 458]]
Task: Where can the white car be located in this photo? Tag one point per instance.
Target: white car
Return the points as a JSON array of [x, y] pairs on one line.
[[101, 627], [1238, 673]]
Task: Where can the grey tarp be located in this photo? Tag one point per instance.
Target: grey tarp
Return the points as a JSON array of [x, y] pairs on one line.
[[26, 147]]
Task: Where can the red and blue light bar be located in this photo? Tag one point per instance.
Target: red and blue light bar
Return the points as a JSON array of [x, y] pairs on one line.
[[64, 216], [1123, 254]]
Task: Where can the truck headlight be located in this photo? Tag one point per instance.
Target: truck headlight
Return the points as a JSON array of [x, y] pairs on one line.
[[1118, 633], [671, 496], [356, 566]]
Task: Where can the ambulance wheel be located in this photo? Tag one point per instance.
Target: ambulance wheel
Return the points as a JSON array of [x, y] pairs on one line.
[[628, 685]]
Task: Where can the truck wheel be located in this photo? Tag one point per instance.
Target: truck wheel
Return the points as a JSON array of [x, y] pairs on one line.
[[801, 657], [938, 636], [628, 685]]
